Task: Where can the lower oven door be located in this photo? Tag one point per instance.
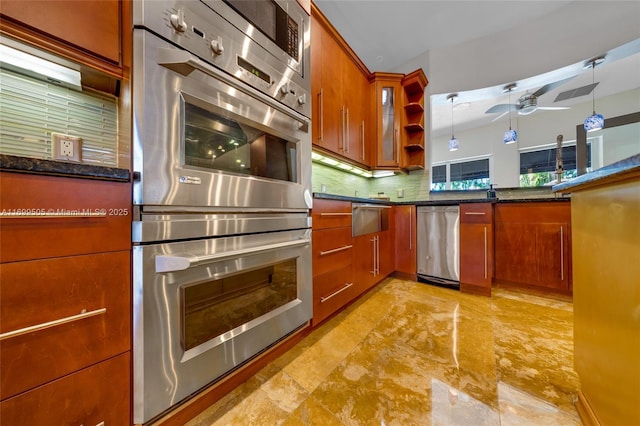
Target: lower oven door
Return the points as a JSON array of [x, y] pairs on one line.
[[204, 307]]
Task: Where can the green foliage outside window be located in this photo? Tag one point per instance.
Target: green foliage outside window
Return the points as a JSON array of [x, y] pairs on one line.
[[470, 184], [543, 178]]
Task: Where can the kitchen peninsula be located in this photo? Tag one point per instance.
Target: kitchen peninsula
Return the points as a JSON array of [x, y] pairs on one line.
[[605, 208]]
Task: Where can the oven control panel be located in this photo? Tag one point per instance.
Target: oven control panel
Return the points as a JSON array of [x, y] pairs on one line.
[[255, 60]]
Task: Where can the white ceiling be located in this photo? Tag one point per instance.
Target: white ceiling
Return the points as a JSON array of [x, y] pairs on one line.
[[385, 34]]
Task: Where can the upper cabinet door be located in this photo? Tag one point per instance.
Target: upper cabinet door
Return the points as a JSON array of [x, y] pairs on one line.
[[356, 99], [340, 87], [388, 120], [84, 31]]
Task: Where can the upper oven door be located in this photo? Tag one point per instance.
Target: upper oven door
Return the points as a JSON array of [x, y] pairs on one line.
[[205, 139]]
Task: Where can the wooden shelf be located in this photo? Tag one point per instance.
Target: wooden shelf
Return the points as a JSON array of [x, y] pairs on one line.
[[414, 127], [413, 108], [414, 167], [414, 147]]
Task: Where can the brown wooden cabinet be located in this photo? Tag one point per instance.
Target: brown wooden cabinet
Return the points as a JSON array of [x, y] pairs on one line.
[[332, 252], [340, 90], [413, 136], [95, 395], [86, 32], [405, 241], [387, 104], [476, 248], [65, 300], [533, 245], [373, 259]]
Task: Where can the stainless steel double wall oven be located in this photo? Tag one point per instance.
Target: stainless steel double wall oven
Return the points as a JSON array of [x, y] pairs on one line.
[[222, 167]]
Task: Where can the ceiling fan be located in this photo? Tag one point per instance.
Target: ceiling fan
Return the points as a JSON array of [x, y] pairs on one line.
[[528, 103]]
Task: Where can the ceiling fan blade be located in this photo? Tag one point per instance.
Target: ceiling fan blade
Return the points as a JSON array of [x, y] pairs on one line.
[[554, 108], [548, 87], [500, 116], [501, 108], [527, 111]]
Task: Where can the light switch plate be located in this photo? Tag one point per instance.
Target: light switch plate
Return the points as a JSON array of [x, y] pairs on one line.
[[66, 148]]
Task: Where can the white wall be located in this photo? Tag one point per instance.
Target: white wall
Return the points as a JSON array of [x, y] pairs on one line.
[[576, 32], [539, 128]]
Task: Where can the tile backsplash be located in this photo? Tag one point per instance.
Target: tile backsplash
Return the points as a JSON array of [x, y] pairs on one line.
[[415, 186], [31, 110]]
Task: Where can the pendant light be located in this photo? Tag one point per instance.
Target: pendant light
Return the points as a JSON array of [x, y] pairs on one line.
[[510, 136], [453, 142], [595, 121]]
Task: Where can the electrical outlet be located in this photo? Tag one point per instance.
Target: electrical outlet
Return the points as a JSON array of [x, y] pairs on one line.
[[400, 193], [66, 148]]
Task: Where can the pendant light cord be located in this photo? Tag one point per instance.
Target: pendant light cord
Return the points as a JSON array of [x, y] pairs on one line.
[[452, 98], [509, 108], [593, 80]]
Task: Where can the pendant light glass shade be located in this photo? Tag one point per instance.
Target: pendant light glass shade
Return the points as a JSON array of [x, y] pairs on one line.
[[510, 136], [453, 142], [594, 121]]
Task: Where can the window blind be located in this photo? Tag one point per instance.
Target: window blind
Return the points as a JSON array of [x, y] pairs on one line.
[[469, 170], [545, 160], [439, 174]]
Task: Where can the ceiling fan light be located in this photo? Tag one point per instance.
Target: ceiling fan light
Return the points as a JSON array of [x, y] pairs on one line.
[[453, 144], [510, 136], [594, 122]]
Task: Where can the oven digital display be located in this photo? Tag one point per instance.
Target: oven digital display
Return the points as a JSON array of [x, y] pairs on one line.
[[253, 70]]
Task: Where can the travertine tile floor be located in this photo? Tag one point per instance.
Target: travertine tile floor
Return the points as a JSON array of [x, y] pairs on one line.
[[408, 353]]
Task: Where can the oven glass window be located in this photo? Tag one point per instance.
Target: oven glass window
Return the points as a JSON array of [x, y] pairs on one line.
[[217, 143], [212, 308]]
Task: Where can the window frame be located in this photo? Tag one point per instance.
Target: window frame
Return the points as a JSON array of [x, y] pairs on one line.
[[448, 163]]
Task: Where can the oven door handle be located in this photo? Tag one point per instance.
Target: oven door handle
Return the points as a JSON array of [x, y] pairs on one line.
[[184, 63], [173, 263]]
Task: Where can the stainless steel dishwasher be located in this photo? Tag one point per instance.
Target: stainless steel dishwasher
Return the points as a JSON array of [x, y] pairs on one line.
[[438, 245]]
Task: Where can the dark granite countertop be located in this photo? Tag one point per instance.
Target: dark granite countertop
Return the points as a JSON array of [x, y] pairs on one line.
[[615, 172], [13, 163], [452, 202]]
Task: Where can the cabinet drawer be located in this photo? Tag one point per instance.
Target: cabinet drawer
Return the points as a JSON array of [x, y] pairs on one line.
[[52, 216], [331, 291], [100, 393], [476, 213], [331, 249], [534, 212], [330, 214], [60, 315]]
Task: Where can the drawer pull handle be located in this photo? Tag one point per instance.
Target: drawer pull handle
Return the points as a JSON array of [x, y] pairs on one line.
[[336, 214], [475, 213], [371, 206], [50, 324], [322, 253], [346, 286]]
